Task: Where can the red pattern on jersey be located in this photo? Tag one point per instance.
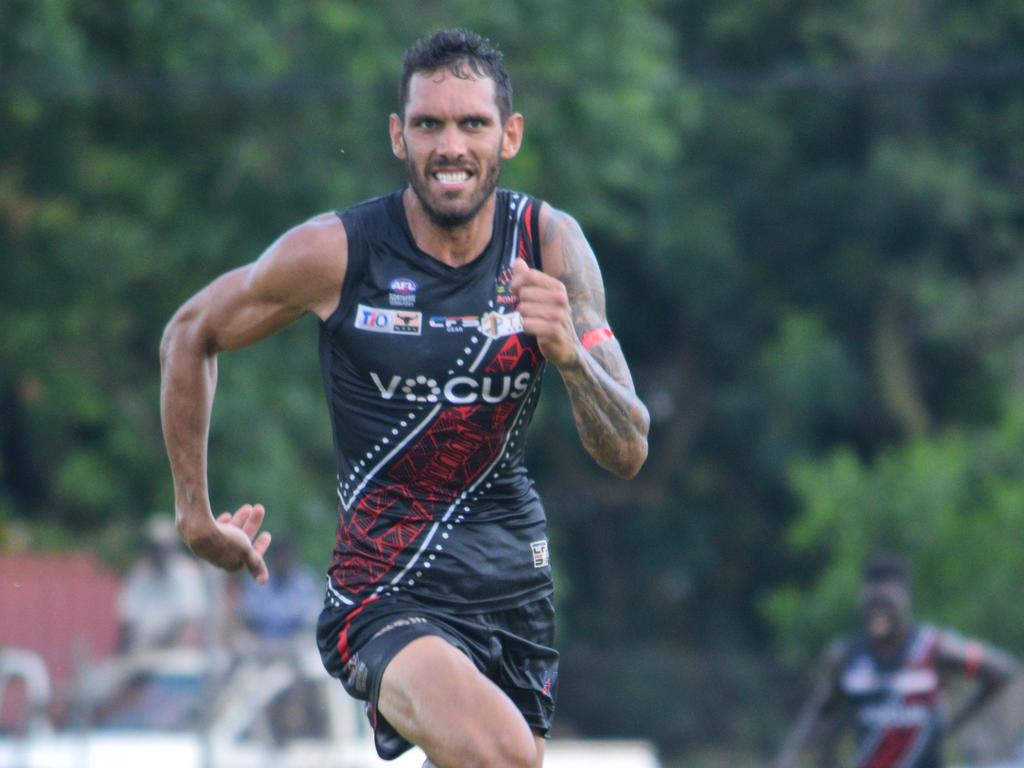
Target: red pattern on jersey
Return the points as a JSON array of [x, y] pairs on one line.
[[454, 451], [893, 747], [899, 742]]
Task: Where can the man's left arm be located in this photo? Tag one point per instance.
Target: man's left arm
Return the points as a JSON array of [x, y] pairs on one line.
[[564, 307], [991, 667]]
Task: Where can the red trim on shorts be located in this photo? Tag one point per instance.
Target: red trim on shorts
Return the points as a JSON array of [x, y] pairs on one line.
[[975, 654], [343, 649], [591, 339]]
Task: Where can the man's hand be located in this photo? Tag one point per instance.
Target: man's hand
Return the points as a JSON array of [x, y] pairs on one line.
[[235, 542], [544, 307]]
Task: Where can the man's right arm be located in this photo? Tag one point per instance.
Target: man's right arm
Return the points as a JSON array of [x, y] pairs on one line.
[[301, 272], [822, 700]]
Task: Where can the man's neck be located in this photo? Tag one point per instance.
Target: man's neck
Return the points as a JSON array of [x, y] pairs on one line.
[[892, 643], [457, 246]]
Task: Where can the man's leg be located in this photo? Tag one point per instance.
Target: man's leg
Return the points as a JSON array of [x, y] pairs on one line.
[[433, 696]]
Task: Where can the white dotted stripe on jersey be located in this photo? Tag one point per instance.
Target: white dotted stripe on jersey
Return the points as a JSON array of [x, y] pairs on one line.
[[485, 476], [516, 213], [390, 455]]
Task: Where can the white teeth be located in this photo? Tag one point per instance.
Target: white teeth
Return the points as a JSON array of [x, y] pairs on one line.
[[451, 177]]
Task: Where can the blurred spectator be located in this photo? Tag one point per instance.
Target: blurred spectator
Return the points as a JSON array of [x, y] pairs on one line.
[[163, 600], [290, 600]]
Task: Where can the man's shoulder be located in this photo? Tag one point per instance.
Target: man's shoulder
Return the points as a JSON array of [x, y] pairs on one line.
[[377, 205]]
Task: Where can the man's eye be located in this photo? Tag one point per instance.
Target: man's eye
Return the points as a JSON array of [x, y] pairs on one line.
[[475, 123], [427, 123]]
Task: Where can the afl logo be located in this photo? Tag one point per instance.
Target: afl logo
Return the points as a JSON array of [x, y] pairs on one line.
[[402, 292], [403, 285]]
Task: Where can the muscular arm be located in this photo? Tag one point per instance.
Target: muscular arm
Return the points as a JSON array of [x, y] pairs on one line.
[[302, 271], [611, 420], [992, 667], [812, 715]]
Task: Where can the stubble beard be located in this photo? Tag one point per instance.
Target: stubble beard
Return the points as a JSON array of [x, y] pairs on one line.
[[453, 219]]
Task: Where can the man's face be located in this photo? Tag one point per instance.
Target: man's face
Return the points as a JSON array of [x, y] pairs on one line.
[[453, 141], [886, 608]]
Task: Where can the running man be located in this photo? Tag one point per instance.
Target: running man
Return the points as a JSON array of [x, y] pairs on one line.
[[439, 306], [890, 679]]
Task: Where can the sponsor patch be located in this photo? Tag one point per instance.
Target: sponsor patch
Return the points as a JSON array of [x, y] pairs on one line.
[[461, 390], [454, 323], [402, 292], [396, 321], [540, 553], [496, 325]]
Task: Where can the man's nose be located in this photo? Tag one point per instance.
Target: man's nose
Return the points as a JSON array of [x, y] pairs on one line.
[[451, 142]]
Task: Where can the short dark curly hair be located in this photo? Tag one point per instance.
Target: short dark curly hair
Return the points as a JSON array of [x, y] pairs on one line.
[[465, 54], [886, 566]]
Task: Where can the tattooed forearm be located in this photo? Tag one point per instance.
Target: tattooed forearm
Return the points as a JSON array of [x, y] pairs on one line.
[[611, 420]]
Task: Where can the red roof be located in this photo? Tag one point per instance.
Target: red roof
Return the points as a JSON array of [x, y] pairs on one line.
[[60, 606]]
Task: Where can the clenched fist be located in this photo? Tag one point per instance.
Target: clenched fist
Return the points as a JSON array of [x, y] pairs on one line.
[[544, 307]]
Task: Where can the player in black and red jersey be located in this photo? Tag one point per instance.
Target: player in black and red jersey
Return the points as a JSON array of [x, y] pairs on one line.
[[889, 679], [439, 306]]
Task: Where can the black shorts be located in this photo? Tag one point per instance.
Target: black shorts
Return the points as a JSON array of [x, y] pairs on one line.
[[511, 647]]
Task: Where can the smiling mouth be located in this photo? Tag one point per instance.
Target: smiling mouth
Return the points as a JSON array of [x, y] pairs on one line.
[[451, 177]]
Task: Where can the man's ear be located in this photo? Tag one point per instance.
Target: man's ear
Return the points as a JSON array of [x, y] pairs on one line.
[[512, 136], [397, 139]]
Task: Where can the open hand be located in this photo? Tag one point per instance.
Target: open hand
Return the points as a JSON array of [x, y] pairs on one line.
[[239, 543]]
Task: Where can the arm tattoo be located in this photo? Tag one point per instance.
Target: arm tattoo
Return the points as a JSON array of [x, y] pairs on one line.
[[611, 420]]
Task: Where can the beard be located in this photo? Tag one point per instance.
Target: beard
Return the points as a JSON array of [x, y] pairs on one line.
[[453, 217]]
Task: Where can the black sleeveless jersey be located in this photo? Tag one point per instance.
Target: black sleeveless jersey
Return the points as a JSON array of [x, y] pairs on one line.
[[896, 702], [431, 385]]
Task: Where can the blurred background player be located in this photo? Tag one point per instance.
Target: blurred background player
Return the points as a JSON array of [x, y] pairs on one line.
[[889, 680]]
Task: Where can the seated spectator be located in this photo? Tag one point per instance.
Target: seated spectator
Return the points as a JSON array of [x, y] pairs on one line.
[[290, 600], [163, 599]]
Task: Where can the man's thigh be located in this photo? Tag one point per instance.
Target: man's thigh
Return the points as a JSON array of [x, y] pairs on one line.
[[435, 697]]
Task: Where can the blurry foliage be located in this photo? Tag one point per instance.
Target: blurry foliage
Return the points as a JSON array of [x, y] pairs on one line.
[[952, 503], [817, 288]]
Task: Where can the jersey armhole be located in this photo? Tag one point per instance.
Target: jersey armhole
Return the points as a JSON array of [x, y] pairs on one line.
[[353, 272], [534, 228]]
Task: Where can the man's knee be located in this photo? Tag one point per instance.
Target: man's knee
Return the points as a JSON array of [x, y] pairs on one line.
[[519, 752], [506, 749]]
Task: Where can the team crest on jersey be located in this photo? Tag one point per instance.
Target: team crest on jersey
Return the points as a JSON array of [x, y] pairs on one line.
[[503, 292], [394, 321], [495, 325], [402, 292]]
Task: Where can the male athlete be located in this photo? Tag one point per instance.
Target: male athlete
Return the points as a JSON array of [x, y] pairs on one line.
[[439, 305], [890, 679]]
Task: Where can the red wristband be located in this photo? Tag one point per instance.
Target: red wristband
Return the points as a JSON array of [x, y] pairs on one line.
[[975, 654], [591, 339]]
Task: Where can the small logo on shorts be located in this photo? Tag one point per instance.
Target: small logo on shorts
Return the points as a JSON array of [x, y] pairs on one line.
[[540, 553], [406, 622], [355, 673]]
